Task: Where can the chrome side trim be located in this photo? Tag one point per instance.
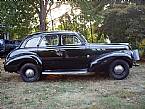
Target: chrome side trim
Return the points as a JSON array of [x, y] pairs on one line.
[[68, 73]]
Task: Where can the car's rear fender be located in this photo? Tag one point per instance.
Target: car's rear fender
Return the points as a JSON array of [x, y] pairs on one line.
[[104, 60], [14, 64]]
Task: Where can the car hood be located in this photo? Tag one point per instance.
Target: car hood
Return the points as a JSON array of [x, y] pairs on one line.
[[119, 46]]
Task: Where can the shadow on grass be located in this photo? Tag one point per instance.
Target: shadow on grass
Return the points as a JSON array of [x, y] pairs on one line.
[[93, 77], [52, 78]]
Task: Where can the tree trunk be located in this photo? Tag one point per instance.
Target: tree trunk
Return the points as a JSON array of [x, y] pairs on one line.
[[42, 15], [42, 25]]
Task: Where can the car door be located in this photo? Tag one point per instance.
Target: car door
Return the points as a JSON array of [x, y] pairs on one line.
[[49, 52], [74, 52]]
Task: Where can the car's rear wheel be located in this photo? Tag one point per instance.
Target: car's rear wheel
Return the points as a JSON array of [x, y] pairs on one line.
[[119, 69], [29, 72]]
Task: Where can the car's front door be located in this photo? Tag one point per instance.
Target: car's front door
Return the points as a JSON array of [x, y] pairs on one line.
[[74, 52]]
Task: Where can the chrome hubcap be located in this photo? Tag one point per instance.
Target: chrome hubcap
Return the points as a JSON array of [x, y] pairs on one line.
[[118, 69], [29, 73]]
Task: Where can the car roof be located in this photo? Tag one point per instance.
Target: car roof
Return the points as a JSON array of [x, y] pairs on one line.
[[55, 32], [51, 32]]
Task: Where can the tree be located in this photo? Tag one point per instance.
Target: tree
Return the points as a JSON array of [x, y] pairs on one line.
[[90, 15], [95, 8], [20, 16], [17, 16], [42, 8], [125, 23]]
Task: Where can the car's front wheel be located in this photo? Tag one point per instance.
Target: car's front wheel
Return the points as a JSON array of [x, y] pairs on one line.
[[29, 72], [119, 69]]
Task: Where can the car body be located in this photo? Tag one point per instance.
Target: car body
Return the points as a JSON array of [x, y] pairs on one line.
[[66, 52]]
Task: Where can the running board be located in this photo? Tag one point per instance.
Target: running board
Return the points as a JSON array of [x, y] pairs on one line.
[[67, 72]]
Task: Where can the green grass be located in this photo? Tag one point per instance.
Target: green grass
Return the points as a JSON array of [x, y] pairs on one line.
[[64, 95], [90, 92], [112, 102]]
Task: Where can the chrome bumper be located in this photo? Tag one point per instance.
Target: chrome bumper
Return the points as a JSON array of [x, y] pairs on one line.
[[135, 55]]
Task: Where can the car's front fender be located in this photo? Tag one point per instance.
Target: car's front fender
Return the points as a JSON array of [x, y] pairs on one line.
[[105, 59]]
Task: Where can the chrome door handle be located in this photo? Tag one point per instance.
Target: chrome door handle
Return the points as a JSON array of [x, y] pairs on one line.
[[60, 52]]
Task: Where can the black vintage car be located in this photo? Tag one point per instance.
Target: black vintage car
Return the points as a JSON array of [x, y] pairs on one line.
[[68, 53]]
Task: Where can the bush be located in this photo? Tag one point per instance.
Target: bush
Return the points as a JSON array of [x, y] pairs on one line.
[[142, 49]]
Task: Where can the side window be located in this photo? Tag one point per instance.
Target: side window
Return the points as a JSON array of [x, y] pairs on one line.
[[70, 40], [49, 40], [33, 42]]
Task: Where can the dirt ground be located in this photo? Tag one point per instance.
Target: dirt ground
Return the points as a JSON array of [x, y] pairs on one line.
[[73, 92]]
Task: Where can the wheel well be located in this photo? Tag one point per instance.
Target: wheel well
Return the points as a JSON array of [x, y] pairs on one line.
[[25, 62], [130, 63], [105, 66]]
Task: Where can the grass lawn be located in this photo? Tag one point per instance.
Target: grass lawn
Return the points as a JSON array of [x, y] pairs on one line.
[[73, 92]]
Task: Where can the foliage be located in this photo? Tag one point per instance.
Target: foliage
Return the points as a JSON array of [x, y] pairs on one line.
[[125, 23], [42, 8], [86, 21], [142, 47], [17, 16], [23, 17], [121, 21]]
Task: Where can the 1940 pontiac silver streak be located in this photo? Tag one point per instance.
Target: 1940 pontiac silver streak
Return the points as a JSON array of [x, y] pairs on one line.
[[68, 53]]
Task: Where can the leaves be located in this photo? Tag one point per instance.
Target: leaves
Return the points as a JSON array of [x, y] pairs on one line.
[[18, 17], [23, 17], [122, 21], [125, 23]]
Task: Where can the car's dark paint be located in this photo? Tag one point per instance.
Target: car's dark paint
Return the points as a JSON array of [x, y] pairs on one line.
[[83, 56], [105, 59], [20, 57]]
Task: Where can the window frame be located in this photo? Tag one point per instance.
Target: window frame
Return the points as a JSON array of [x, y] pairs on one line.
[[70, 35], [25, 43], [48, 35]]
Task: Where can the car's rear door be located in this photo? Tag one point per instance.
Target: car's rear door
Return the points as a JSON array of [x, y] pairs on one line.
[[74, 52]]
